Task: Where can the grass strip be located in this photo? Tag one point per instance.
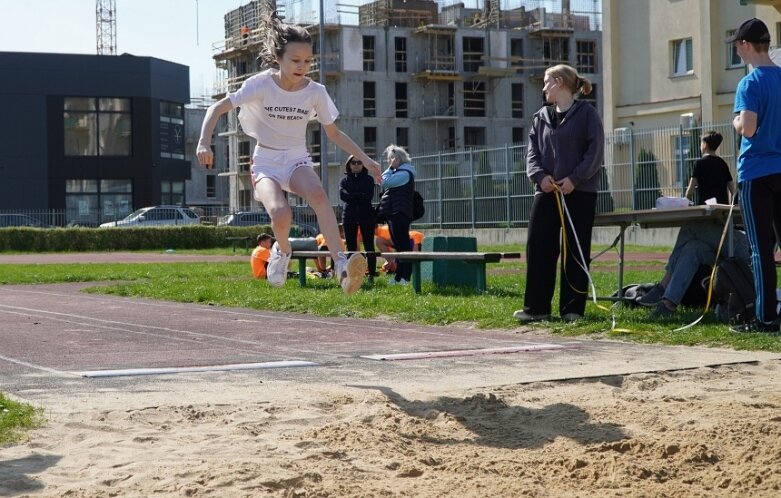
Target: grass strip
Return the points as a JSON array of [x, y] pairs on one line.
[[16, 419], [230, 284]]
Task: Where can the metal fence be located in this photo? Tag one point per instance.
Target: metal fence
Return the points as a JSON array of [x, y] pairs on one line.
[[488, 188], [483, 188]]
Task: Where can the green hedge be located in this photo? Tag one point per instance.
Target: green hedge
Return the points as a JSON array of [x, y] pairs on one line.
[[123, 239]]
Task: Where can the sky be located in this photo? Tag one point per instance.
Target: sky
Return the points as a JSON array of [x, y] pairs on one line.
[[182, 31]]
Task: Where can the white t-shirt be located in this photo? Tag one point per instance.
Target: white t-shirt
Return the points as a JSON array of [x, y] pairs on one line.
[[277, 118]]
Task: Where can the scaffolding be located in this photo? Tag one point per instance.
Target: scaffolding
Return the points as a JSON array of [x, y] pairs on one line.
[[401, 13]]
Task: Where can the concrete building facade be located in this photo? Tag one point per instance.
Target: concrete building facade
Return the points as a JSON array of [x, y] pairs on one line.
[[460, 78], [665, 61]]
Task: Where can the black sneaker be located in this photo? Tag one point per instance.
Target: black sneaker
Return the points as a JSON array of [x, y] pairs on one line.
[[662, 311], [756, 327], [653, 297]]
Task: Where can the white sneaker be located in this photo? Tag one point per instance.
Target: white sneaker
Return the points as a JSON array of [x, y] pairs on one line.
[[350, 271], [393, 281], [276, 271]]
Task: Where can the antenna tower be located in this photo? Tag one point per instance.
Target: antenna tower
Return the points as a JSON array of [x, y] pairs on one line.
[[106, 26]]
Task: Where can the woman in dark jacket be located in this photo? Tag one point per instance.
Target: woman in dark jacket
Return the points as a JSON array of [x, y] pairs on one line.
[[398, 187], [564, 158], [357, 192]]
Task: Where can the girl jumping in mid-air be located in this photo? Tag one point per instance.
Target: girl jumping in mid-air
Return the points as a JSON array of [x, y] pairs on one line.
[[276, 106]]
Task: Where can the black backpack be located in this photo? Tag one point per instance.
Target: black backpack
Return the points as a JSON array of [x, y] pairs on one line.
[[418, 206], [733, 290]]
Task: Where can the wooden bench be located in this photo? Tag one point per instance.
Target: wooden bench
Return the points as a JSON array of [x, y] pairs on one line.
[[416, 257], [235, 240], [477, 258], [302, 256]]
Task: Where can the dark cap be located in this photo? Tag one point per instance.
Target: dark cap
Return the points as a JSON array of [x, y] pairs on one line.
[[753, 30]]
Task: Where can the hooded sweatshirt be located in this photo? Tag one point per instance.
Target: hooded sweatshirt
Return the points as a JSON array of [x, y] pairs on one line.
[[357, 192], [575, 148]]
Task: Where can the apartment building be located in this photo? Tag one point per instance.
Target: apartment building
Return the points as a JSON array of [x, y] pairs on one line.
[[424, 75], [665, 61]]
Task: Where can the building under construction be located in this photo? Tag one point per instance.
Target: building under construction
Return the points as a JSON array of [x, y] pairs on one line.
[[425, 75]]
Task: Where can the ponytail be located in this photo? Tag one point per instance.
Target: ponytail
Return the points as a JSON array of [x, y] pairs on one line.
[[277, 35]]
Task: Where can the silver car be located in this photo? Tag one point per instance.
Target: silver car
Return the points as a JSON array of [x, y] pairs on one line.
[[157, 216]]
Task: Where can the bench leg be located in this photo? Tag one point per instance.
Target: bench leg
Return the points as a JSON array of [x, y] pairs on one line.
[[302, 272], [416, 276], [480, 278]]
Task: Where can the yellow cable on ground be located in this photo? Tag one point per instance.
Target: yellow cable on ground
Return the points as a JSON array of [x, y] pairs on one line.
[[564, 216]]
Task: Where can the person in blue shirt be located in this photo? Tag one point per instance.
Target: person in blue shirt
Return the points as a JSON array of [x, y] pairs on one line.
[[398, 187], [758, 121]]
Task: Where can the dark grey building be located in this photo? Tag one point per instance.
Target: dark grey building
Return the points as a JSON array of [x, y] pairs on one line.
[[94, 136]]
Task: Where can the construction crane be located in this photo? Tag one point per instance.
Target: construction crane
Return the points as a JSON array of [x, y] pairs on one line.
[[106, 26]]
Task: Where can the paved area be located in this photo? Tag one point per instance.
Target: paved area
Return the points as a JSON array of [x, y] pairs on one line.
[[51, 333]]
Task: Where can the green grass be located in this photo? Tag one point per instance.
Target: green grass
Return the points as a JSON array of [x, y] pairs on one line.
[[230, 284], [15, 419]]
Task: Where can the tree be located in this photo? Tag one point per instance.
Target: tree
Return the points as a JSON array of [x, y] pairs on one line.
[[647, 188]]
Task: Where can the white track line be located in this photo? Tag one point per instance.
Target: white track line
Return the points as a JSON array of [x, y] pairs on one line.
[[33, 366], [464, 352], [174, 370]]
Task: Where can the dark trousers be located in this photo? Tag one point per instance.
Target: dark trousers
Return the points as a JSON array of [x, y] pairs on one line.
[[367, 234], [543, 248], [760, 204], [398, 224]]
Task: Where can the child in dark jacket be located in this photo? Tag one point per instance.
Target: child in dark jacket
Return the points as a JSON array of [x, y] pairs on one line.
[[357, 191]]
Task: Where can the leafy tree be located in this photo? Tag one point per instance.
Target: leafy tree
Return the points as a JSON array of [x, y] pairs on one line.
[[647, 188]]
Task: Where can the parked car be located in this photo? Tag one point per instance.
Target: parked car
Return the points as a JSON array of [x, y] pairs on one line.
[[252, 218], [20, 220], [157, 216]]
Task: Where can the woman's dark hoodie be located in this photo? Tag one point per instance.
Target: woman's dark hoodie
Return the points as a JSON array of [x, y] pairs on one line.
[[357, 192], [575, 148]]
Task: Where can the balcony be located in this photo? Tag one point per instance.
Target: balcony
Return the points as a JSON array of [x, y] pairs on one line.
[[438, 67]]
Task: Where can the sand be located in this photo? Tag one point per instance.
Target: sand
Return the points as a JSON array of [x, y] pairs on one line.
[[702, 432]]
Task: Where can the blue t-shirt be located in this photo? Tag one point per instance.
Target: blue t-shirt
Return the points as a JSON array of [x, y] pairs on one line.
[[760, 92]]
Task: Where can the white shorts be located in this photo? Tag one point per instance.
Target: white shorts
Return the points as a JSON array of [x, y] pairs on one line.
[[277, 165]]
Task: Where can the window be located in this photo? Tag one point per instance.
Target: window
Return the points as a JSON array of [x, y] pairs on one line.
[[518, 135], [97, 126], [733, 59], [474, 136], [474, 98], [93, 201], [682, 57], [473, 54], [586, 56], [370, 141], [400, 56], [451, 138], [402, 137], [172, 192], [401, 100], [245, 157], [314, 144], [369, 99], [368, 53], [516, 103], [211, 186], [556, 50], [516, 53], [171, 130]]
